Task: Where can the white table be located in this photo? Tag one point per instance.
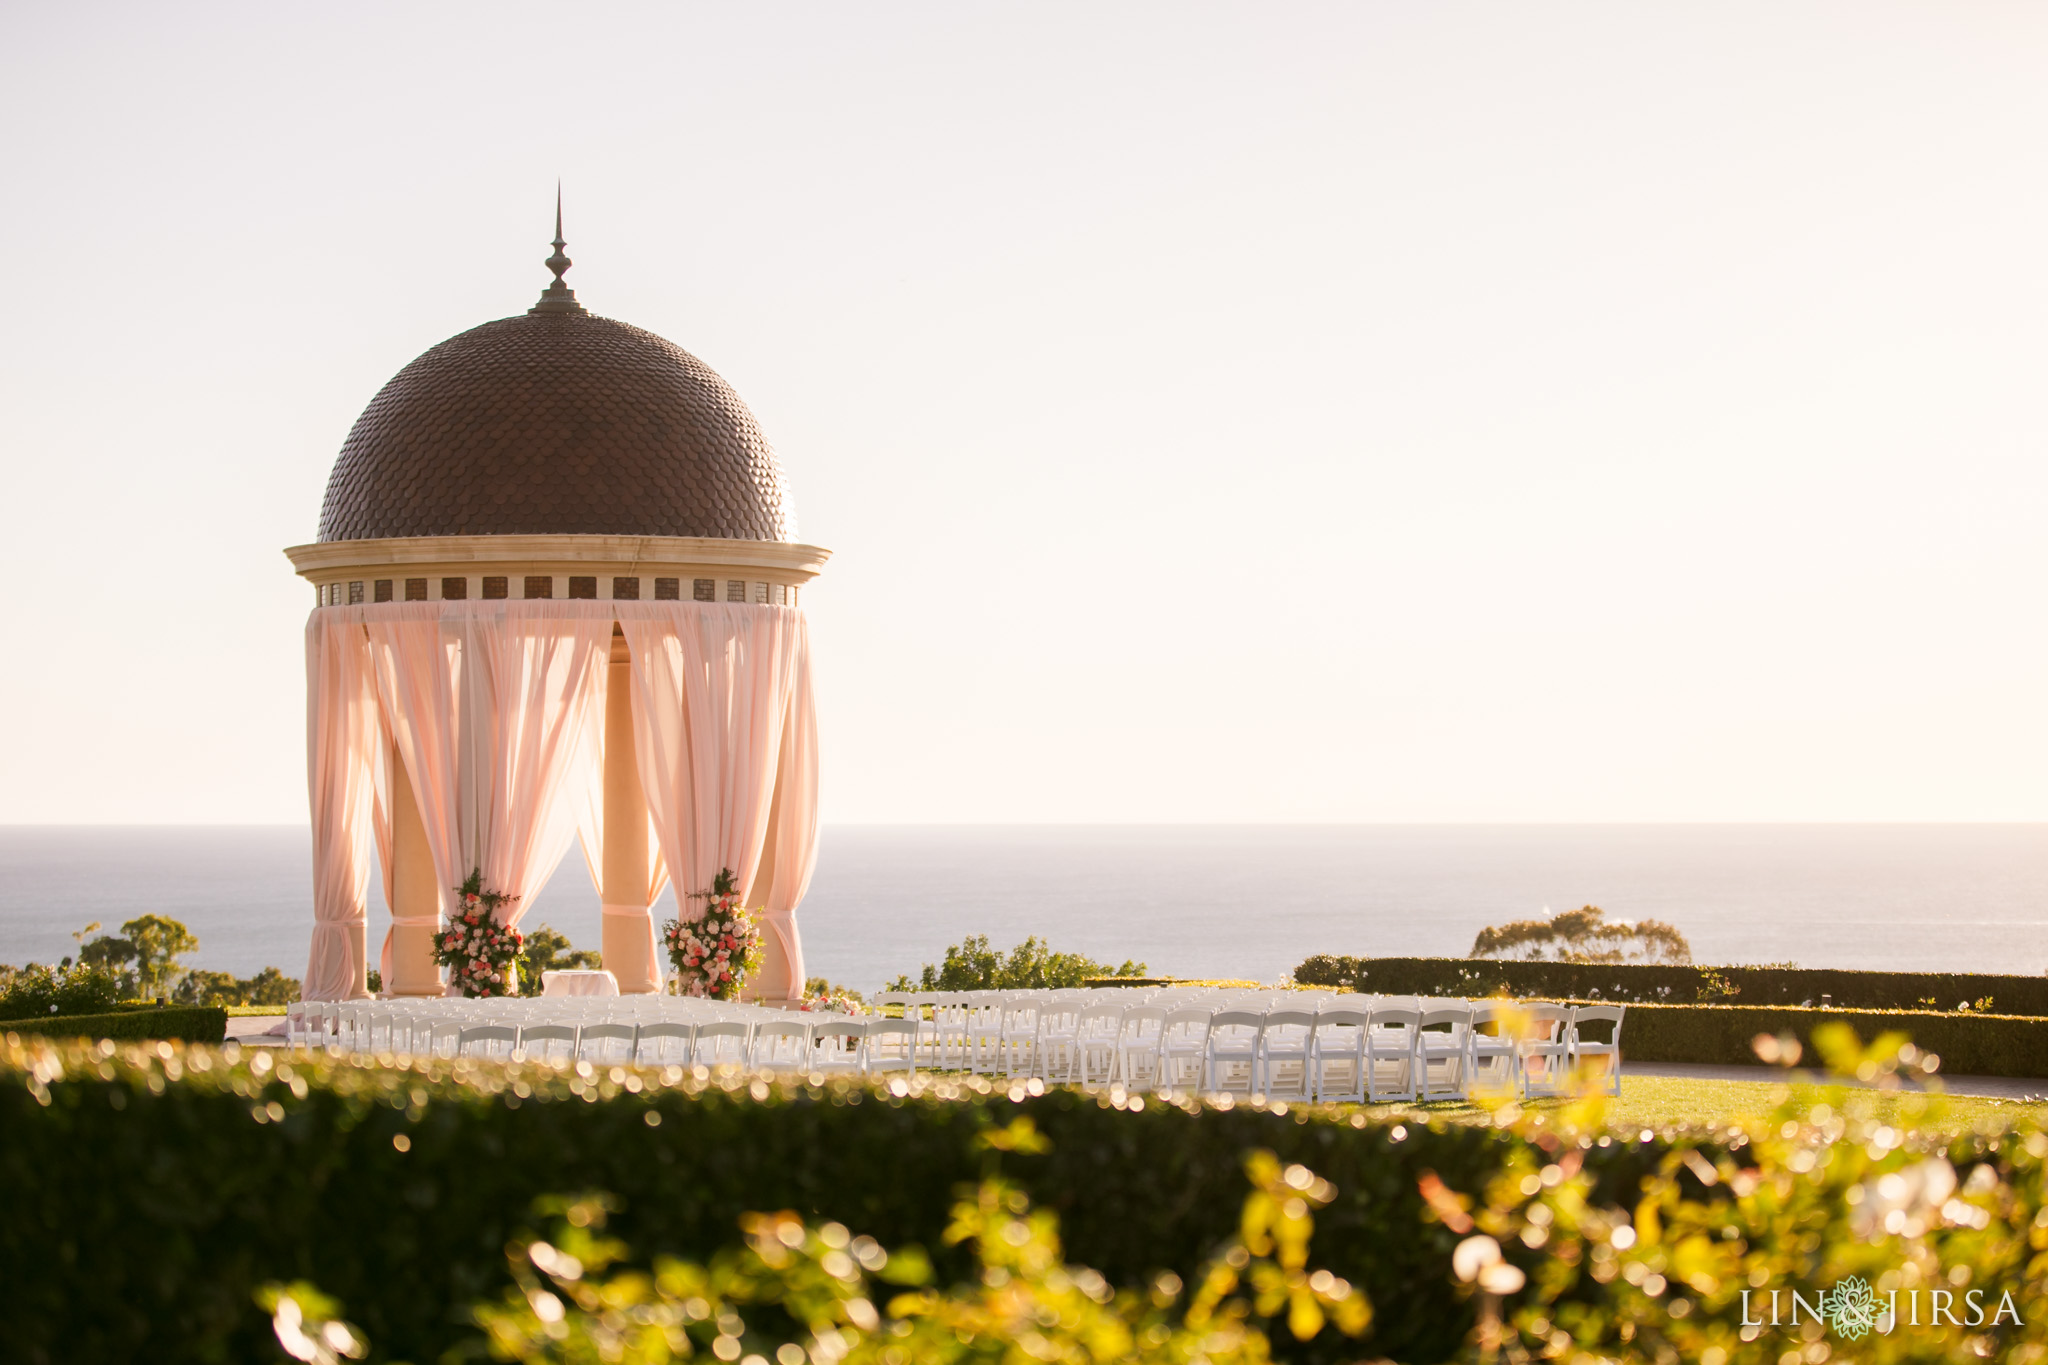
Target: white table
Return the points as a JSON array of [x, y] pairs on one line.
[[579, 982]]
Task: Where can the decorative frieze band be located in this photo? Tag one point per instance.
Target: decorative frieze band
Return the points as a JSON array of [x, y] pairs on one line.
[[619, 588]]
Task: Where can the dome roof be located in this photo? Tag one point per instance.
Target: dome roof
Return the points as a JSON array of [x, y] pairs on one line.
[[557, 422]]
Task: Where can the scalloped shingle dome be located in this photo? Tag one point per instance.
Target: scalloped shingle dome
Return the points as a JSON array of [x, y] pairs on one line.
[[557, 423]]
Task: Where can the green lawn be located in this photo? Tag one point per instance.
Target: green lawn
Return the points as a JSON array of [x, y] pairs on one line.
[[1659, 1102]]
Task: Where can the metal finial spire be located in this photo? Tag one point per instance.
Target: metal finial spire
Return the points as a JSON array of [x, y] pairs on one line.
[[558, 297]]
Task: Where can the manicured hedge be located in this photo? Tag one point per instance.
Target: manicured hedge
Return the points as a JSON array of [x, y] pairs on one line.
[[1459, 976], [145, 1199], [1968, 1044], [178, 1023]]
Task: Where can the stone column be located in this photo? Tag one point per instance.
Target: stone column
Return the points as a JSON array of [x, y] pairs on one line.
[[415, 893], [630, 953]]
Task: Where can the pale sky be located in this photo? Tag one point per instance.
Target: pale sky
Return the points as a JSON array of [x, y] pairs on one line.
[[1218, 413]]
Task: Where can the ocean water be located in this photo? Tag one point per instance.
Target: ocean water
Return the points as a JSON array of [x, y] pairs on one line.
[[1226, 900]]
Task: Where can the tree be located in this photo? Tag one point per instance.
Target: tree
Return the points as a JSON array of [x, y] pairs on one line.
[[548, 949], [201, 987], [108, 953], [971, 965], [268, 987], [157, 942], [1583, 935]]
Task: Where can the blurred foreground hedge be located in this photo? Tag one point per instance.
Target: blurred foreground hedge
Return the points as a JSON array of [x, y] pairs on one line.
[[150, 1190]]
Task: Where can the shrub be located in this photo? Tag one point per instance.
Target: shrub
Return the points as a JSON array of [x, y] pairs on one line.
[[809, 1293], [1967, 1044], [1876, 1233], [188, 1024], [182, 1184], [1781, 984], [37, 992], [1583, 935], [971, 965]]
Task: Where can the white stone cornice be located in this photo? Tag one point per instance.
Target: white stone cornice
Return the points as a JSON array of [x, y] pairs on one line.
[[329, 558]]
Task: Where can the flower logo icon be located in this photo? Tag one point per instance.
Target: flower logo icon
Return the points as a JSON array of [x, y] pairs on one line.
[[1851, 1308]]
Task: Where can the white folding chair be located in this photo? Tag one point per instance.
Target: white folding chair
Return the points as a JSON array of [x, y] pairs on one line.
[[781, 1045], [722, 1042], [1020, 1036], [487, 1040], [1609, 1052], [1231, 1061], [1056, 1049], [545, 1042], [1183, 1048], [1095, 1043], [1391, 1067], [1285, 1044], [1440, 1052], [671, 1041], [891, 1046], [984, 1033], [839, 1045], [1336, 1060], [610, 1041], [1137, 1047], [1543, 1054], [444, 1037], [949, 1031], [1491, 1057]]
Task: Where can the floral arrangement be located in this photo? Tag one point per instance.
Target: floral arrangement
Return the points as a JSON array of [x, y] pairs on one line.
[[481, 950], [824, 998], [716, 953]]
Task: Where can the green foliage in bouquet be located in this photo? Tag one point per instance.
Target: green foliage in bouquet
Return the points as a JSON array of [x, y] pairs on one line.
[[971, 965]]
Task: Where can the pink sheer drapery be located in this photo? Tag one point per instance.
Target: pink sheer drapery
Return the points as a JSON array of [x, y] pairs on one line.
[[489, 706], [543, 677], [421, 681], [713, 685], [344, 759], [493, 713], [795, 821]]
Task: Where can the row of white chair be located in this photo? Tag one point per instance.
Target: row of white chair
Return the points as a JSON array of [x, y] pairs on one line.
[[1373, 1050], [1341, 1049], [771, 1041]]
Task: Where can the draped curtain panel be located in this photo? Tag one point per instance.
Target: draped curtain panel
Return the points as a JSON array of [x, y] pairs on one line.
[[344, 746], [796, 813], [543, 680], [494, 711], [713, 687], [423, 681]]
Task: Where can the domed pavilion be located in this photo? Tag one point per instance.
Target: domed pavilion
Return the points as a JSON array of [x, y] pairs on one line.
[[556, 595]]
